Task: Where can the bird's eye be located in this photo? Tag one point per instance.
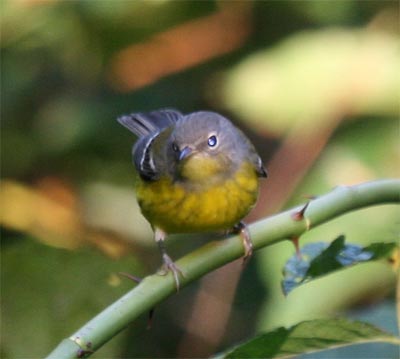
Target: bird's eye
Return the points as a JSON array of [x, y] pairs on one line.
[[212, 141], [175, 147]]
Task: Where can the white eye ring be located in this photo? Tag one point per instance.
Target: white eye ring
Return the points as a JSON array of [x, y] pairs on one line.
[[212, 141]]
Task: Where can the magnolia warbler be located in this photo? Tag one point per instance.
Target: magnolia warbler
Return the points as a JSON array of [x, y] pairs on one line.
[[197, 173]]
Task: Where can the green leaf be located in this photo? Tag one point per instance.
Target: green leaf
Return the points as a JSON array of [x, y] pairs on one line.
[[319, 259], [328, 260], [381, 250], [309, 336]]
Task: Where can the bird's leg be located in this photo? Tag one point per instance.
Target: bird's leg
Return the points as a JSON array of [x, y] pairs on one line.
[[243, 231], [168, 263]]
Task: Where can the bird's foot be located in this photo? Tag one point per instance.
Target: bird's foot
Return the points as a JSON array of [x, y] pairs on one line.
[[170, 266], [243, 231]]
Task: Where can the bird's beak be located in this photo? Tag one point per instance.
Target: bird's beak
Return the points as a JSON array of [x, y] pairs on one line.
[[186, 152]]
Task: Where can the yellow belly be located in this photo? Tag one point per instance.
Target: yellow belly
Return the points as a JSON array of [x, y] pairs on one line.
[[172, 208]]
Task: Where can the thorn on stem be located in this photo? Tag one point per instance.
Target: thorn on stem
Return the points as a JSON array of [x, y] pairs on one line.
[[150, 319], [300, 215], [131, 277]]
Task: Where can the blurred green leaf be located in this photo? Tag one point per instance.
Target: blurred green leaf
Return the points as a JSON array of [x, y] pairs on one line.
[[328, 11], [313, 77], [319, 259], [309, 336], [55, 289]]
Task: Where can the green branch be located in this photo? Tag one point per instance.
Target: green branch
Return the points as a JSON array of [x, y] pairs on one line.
[[155, 288]]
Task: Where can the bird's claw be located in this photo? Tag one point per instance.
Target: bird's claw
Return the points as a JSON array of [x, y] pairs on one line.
[[243, 231], [170, 266]]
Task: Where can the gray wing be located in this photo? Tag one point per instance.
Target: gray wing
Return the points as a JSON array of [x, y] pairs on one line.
[[146, 123], [149, 127]]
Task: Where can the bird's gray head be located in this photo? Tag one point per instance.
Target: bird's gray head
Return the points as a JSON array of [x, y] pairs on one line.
[[205, 145]]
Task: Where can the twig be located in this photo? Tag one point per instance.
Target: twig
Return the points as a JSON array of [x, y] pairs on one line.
[[155, 288]]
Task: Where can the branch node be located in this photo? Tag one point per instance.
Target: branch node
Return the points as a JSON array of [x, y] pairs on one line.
[[84, 347]]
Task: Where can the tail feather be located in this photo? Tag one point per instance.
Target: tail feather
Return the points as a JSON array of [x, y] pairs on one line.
[[143, 124]]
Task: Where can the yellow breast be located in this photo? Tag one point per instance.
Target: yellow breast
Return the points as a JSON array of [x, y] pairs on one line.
[[172, 207]]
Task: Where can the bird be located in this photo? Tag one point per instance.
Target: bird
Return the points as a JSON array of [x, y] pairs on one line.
[[197, 173]]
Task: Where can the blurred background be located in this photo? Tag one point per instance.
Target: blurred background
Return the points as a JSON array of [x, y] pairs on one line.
[[315, 85]]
